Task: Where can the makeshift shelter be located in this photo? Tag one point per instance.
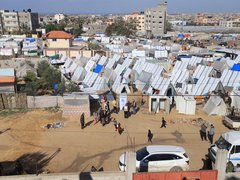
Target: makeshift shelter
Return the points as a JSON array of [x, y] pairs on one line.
[[202, 71], [235, 96], [161, 86], [185, 105], [215, 106], [75, 104], [143, 80], [90, 65], [103, 60], [90, 78], [230, 78], [78, 74], [207, 84], [156, 103]]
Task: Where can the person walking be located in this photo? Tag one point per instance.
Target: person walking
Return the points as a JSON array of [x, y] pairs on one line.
[[211, 133], [128, 109], [95, 117], [164, 123], [115, 106], [82, 121], [150, 136], [203, 133], [115, 123], [134, 104], [125, 109]]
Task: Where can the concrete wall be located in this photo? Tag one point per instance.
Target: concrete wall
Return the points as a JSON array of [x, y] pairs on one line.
[[70, 176], [59, 43], [44, 101]]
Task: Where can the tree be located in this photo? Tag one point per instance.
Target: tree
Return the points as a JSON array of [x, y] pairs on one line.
[[93, 46], [121, 27], [168, 26], [24, 29], [32, 85], [44, 81], [71, 87]]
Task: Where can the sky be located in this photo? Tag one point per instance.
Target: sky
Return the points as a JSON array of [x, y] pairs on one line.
[[119, 6]]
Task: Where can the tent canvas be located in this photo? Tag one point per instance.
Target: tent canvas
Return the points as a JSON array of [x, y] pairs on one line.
[[215, 106]]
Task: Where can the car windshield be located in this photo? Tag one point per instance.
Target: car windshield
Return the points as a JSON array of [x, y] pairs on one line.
[[223, 144], [142, 153]]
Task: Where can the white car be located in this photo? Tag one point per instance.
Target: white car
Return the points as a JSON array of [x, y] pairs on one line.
[[157, 158]]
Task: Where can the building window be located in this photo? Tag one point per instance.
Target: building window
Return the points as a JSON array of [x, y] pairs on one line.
[[13, 16], [160, 22], [160, 16], [54, 39]]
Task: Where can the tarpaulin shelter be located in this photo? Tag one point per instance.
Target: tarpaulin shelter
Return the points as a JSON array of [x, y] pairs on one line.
[[236, 67], [98, 68]]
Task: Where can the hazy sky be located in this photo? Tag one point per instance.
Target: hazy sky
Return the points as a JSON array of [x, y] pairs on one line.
[[119, 6]]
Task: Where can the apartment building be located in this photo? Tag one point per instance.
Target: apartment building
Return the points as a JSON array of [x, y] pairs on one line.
[[29, 19], [11, 21], [155, 20], [230, 23], [138, 18], [59, 17]]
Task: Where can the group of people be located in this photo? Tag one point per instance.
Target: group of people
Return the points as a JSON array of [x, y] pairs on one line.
[[203, 132], [127, 108]]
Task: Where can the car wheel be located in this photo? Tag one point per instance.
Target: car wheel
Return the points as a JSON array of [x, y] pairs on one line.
[[176, 168]]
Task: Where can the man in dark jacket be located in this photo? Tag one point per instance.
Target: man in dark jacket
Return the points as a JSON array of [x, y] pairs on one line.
[[82, 121]]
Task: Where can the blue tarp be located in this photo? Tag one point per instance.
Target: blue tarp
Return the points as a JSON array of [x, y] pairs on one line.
[[181, 35], [30, 39], [236, 67], [98, 68]]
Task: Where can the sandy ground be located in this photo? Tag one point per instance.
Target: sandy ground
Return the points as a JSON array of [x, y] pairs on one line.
[[29, 142]]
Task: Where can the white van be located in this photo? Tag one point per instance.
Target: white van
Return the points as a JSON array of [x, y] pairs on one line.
[[229, 141]]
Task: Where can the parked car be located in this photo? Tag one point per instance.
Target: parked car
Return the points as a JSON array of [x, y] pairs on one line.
[[229, 141], [156, 158]]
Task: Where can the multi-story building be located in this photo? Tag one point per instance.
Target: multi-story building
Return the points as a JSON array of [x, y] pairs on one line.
[[155, 20], [9, 21], [138, 18], [59, 17], [203, 19], [47, 19], [230, 23], [13, 21], [28, 19]]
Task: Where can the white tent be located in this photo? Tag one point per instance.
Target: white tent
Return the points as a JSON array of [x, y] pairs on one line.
[[235, 96], [78, 74], [186, 105], [215, 106], [90, 78], [90, 65]]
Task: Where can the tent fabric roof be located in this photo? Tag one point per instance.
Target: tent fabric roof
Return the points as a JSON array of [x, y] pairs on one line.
[[7, 79], [58, 35], [230, 78], [236, 67]]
